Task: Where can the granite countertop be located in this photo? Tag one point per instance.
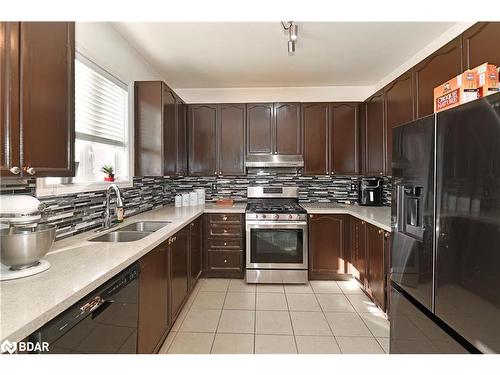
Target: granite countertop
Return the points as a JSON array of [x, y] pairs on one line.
[[79, 266], [378, 216]]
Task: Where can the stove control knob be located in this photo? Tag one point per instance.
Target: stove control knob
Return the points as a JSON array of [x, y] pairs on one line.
[[263, 216], [257, 216], [276, 216], [290, 216]]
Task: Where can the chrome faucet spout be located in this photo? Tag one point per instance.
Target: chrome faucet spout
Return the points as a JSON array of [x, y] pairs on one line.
[[119, 204]]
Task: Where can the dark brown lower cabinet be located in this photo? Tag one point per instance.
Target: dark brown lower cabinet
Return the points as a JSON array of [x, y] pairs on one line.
[[358, 249], [179, 270], [224, 245], [154, 321], [195, 251], [327, 243], [376, 275]]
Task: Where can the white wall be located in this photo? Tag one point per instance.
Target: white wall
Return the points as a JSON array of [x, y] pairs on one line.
[[101, 43]]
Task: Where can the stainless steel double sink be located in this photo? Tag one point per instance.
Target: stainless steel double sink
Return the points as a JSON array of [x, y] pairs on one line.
[[132, 232]]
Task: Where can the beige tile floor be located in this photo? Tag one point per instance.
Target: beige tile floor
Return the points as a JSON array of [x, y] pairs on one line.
[[225, 316]]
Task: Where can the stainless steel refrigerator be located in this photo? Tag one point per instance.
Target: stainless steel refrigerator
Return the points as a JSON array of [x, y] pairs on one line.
[[445, 272]]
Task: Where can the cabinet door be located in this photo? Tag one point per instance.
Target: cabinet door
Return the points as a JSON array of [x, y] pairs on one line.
[[326, 246], [375, 270], [153, 300], [195, 251], [344, 138], [480, 44], [169, 103], [203, 140], [259, 128], [398, 110], [47, 98], [287, 129], [9, 97], [179, 272], [315, 120], [148, 128], [358, 249], [436, 69], [375, 135], [181, 137], [231, 141]]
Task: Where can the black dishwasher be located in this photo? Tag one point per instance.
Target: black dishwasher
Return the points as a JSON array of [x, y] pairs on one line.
[[103, 322]]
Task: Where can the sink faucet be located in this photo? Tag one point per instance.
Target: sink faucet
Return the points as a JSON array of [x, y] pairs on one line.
[[119, 204]]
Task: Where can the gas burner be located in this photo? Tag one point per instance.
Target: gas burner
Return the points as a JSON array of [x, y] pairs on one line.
[[275, 204]]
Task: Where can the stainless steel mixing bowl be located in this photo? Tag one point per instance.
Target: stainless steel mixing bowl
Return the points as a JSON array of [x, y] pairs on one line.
[[23, 246]]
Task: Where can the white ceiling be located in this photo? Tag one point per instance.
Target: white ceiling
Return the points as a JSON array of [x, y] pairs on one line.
[[254, 54]]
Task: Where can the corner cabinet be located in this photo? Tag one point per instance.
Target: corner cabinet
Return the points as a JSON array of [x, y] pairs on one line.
[[159, 129], [37, 99], [217, 139], [328, 238], [480, 44]]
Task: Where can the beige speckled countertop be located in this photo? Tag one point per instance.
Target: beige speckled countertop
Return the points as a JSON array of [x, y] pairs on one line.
[[79, 266], [378, 216]]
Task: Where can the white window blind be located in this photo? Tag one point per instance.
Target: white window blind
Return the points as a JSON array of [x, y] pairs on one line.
[[100, 106]]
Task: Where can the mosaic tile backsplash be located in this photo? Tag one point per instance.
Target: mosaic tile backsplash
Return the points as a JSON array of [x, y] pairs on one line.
[[76, 213]]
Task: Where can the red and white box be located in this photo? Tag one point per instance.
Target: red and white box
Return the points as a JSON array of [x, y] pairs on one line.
[[459, 90], [487, 79]]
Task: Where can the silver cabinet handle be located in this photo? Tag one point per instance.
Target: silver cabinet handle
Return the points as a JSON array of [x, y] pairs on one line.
[[31, 171], [15, 170], [225, 260]]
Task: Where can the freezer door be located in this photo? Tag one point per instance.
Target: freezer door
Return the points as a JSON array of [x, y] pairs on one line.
[[413, 208], [467, 295], [413, 332]]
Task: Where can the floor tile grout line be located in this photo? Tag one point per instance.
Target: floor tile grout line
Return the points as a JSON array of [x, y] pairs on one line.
[[291, 323], [255, 320], [220, 317], [327, 322]]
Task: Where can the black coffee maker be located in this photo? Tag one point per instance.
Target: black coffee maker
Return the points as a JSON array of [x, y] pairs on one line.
[[370, 191]]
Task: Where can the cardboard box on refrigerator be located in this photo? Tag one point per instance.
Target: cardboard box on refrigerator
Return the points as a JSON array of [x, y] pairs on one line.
[[456, 91], [487, 79]]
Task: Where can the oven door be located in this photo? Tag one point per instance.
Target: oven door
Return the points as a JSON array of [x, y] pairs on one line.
[[273, 245]]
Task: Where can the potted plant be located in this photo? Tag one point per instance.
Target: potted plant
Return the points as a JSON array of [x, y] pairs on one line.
[[108, 169]]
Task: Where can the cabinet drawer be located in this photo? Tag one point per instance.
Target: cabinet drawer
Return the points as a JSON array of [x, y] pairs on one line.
[[231, 244], [225, 218], [223, 229], [225, 260]]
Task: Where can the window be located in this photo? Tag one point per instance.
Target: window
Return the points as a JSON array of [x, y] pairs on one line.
[[101, 132]]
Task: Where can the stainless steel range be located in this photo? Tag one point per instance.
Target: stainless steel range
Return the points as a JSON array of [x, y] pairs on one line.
[[276, 236]]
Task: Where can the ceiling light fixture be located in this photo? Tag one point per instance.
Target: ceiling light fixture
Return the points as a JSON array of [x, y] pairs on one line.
[[292, 29]]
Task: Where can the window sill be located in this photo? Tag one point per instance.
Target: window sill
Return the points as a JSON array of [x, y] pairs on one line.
[[43, 190]]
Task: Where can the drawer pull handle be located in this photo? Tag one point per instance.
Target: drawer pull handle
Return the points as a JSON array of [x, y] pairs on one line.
[[225, 243], [225, 260], [224, 218], [225, 230]]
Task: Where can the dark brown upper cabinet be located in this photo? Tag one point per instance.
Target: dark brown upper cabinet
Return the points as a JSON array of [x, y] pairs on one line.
[[37, 99], [398, 110], [374, 135], [260, 128], [287, 129], [274, 128], [436, 69], [231, 139], [203, 139], [480, 44], [344, 138], [315, 122], [217, 139], [160, 130]]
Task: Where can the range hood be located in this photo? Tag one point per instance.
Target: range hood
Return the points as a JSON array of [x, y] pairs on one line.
[[274, 161]]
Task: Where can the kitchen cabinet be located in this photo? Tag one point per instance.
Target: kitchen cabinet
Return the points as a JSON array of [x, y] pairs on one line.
[[224, 247], [375, 271], [217, 139], [344, 138], [274, 128], [327, 244], [37, 99], [387, 266], [178, 246], [358, 249], [399, 101], [436, 69], [374, 135], [160, 130], [315, 121], [154, 321], [195, 251], [480, 44], [231, 139]]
